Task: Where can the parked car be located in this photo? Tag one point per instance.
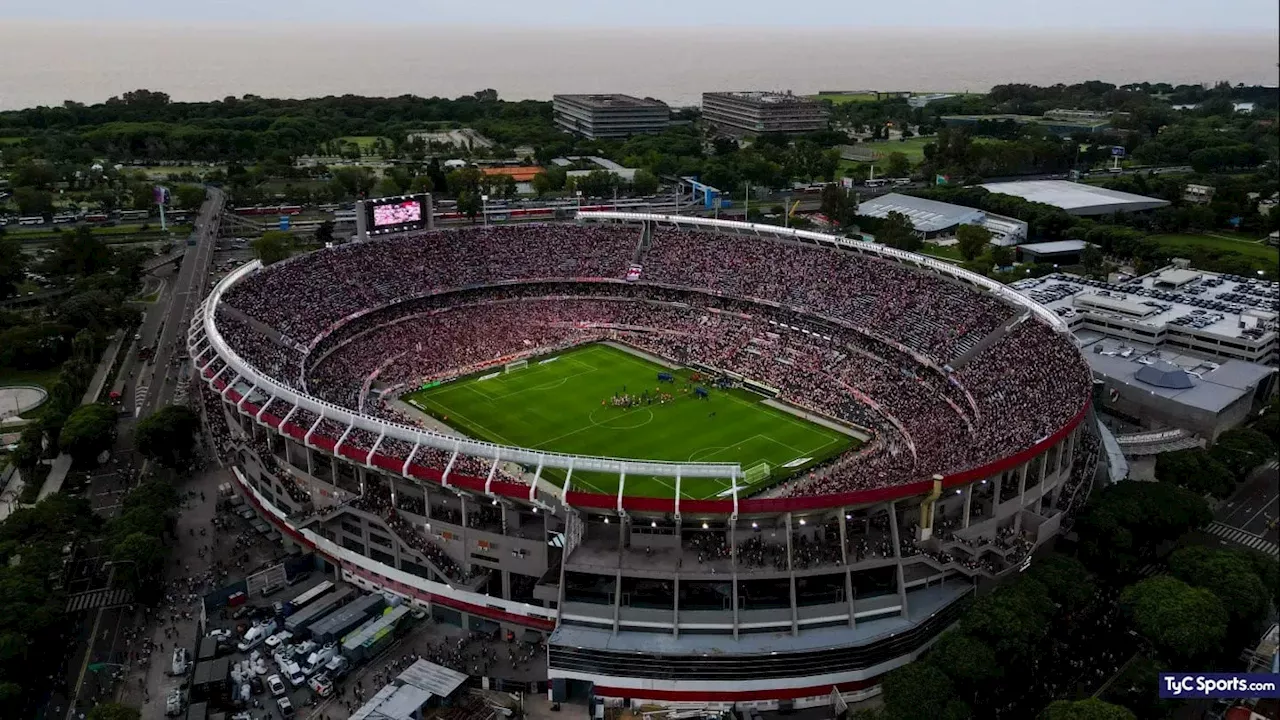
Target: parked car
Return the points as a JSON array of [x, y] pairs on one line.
[[276, 685], [220, 634], [322, 685], [286, 707], [174, 703], [181, 661]]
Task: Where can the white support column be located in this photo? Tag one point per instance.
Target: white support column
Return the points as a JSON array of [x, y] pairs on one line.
[[493, 470], [733, 478], [409, 460], [245, 398], [258, 418], [968, 504], [343, 439], [533, 486], [444, 476], [376, 445], [227, 387], [288, 416], [306, 439], [622, 482], [564, 492], [677, 494]]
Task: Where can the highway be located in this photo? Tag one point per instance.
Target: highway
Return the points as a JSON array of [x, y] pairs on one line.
[[166, 328]]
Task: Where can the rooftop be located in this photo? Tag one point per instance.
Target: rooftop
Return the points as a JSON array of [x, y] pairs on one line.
[[925, 215], [1185, 379], [1230, 306], [764, 96], [1024, 119], [1055, 248], [1076, 198], [612, 100]]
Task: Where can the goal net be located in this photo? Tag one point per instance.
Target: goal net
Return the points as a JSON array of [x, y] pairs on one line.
[[517, 365], [756, 473]]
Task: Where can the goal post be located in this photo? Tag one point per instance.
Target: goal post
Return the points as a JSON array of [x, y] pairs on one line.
[[756, 473], [516, 365]]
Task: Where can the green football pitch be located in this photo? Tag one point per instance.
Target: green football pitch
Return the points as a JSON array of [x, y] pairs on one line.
[[561, 403]]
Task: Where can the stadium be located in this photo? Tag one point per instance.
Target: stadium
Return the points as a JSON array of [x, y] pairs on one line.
[[708, 462]]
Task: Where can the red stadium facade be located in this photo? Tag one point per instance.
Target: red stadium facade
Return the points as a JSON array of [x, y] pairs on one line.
[[976, 399]]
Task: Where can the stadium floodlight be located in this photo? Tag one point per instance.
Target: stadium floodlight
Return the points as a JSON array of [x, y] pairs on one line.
[[484, 209]]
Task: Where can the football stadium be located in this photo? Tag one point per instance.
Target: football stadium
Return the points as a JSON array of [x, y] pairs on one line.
[[705, 462]]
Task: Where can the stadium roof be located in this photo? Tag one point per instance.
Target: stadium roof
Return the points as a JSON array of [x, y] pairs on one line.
[[926, 215], [1076, 198]]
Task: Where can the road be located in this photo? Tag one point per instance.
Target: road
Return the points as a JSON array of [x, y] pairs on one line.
[[160, 374], [1248, 518]]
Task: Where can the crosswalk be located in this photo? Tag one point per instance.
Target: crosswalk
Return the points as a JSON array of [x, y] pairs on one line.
[[95, 599], [140, 398], [1240, 537]]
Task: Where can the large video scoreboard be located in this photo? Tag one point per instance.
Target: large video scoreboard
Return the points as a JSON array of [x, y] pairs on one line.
[[394, 214]]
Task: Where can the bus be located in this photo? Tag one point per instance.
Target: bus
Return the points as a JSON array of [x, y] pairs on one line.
[[309, 596], [134, 214], [31, 220], [876, 182]]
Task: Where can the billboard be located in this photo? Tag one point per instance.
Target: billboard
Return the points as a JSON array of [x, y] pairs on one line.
[[396, 214]]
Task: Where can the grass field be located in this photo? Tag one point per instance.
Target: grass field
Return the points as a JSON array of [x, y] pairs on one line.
[[364, 142], [841, 98], [560, 404], [1222, 241]]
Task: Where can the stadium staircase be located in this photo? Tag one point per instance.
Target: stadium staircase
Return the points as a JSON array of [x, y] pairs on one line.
[[643, 245], [970, 348]]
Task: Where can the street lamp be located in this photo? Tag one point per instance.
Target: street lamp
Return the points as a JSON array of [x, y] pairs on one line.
[[484, 209], [579, 194]]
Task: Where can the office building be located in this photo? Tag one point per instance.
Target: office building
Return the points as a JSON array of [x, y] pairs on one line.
[[609, 116], [740, 114]]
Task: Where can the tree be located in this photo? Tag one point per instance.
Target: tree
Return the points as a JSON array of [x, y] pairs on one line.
[[138, 556], [273, 246], [897, 165], [973, 240], [13, 266], [920, 691], [324, 232], [541, 183], [1229, 575], [78, 253], [1013, 619], [1184, 623], [1066, 579], [388, 186], [1196, 470], [644, 182], [1122, 526], [32, 201], [1087, 709], [88, 431], [168, 436], [896, 231], [469, 204], [190, 197], [969, 661], [1242, 449], [1001, 256], [1091, 258], [113, 711]]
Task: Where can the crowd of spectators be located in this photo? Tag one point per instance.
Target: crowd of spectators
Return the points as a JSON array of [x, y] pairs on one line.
[[837, 333]]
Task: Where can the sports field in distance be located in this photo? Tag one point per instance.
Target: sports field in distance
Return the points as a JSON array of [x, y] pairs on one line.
[[563, 403]]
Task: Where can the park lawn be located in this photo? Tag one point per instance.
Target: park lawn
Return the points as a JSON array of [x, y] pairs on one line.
[[40, 378], [561, 403], [11, 140], [1221, 241], [364, 142]]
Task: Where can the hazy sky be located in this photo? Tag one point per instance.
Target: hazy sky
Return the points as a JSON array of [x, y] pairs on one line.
[[1078, 15]]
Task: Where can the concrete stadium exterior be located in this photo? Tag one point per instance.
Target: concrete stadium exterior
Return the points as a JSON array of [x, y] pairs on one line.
[[631, 611]]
